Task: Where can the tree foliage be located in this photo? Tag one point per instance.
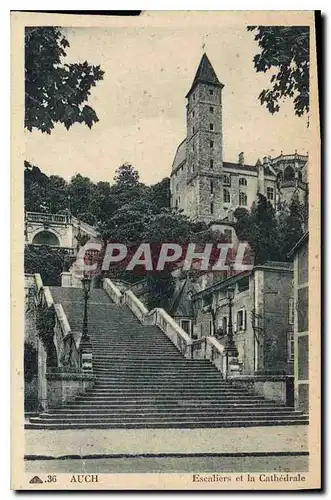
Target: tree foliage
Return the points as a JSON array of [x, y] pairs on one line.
[[55, 91], [48, 261], [286, 50], [30, 362], [270, 236]]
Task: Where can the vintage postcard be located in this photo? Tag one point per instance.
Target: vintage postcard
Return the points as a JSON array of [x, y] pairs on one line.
[[165, 251]]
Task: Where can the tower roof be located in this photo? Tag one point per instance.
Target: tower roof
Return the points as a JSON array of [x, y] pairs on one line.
[[205, 74]]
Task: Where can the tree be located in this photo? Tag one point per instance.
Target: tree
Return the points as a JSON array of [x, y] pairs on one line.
[[82, 192], [35, 189], [56, 91], [291, 223], [48, 261], [286, 49], [259, 229], [126, 176], [160, 194], [270, 236]]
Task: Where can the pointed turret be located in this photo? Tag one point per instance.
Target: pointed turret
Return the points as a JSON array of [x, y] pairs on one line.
[[205, 74]]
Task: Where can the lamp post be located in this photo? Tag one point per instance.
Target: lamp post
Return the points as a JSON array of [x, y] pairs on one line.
[[85, 344], [86, 281], [230, 348]]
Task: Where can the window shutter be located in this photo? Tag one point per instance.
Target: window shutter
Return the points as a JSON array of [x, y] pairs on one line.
[[245, 319]]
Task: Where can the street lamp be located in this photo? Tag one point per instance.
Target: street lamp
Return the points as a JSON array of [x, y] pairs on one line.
[[231, 351], [230, 297], [86, 282]]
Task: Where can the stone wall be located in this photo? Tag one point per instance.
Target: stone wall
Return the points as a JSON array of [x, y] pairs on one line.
[[65, 387], [301, 328], [278, 290]]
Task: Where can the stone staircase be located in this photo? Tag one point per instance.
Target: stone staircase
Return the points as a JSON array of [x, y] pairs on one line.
[[142, 381]]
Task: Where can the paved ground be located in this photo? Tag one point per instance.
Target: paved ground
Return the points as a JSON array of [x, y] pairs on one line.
[[48, 443], [169, 464]]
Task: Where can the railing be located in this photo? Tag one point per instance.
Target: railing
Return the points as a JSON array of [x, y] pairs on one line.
[[86, 228], [158, 317], [65, 345], [289, 158], [293, 183], [214, 351], [66, 251], [112, 291], [174, 332], [209, 348], [135, 305], [48, 218]]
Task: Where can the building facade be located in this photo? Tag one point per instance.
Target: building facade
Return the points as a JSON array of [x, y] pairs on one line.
[[56, 230], [301, 325], [206, 187], [262, 317]]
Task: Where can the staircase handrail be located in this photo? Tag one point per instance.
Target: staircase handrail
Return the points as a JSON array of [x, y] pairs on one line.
[[136, 306], [111, 289], [65, 345], [213, 351], [174, 332], [157, 316]]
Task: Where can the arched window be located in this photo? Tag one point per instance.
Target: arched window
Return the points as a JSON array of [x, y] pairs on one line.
[[289, 173], [242, 199], [226, 180], [46, 238], [226, 196], [242, 181]]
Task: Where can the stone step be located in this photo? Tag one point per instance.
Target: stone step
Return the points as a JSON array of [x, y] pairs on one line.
[[118, 351], [89, 407], [161, 376], [187, 424], [152, 409], [163, 416], [150, 386], [65, 414], [177, 361], [160, 398]]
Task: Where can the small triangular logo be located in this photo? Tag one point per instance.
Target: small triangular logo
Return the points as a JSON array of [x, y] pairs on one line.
[[36, 480]]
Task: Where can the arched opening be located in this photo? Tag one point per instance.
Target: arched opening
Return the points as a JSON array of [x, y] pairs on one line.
[[300, 175], [289, 173], [46, 238]]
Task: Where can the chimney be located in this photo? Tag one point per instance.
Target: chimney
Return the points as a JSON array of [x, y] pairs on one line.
[[266, 160], [241, 159]]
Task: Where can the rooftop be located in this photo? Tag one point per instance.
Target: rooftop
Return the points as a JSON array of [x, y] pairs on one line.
[[205, 74]]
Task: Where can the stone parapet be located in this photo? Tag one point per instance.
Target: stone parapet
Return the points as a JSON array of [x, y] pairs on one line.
[[63, 387]]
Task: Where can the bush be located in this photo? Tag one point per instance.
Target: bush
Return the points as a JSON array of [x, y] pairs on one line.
[[48, 261], [30, 362]]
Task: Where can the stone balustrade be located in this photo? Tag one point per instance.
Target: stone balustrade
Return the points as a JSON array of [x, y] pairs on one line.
[[59, 384], [214, 351], [157, 316], [135, 305], [48, 218], [174, 332], [112, 291]]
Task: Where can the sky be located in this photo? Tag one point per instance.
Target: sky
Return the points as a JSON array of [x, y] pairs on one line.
[[141, 102]]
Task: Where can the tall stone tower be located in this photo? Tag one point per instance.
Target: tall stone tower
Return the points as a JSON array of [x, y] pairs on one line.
[[204, 144]]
